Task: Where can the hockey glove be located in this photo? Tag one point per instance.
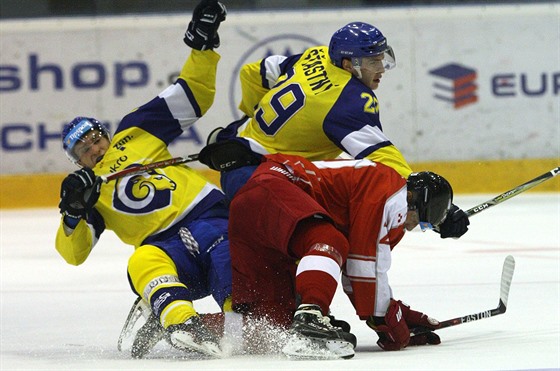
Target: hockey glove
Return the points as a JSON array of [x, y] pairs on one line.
[[420, 321], [202, 32], [78, 193], [392, 329], [455, 225]]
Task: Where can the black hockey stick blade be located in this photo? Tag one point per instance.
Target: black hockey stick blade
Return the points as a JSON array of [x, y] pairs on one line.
[[505, 284]]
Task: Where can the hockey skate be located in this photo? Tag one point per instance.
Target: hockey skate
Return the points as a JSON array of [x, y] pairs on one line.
[[193, 336], [147, 337], [314, 337], [345, 326]]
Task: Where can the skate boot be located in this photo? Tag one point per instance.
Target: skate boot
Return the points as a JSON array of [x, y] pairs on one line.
[[147, 337], [344, 326], [314, 337], [193, 336]]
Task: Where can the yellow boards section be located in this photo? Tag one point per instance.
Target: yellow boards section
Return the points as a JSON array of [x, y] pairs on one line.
[[30, 190], [493, 177]]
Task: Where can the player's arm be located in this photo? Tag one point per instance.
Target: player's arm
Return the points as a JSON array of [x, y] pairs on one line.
[[253, 88], [199, 71], [392, 319], [353, 125], [392, 157], [74, 245], [198, 79], [182, 103], [367, 142]]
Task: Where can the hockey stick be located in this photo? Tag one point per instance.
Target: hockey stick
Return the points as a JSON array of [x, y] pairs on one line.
[[143, 168], [513, 192], [507, 275]]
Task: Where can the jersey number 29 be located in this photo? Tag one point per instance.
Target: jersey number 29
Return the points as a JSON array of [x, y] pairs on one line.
[[283, 104]]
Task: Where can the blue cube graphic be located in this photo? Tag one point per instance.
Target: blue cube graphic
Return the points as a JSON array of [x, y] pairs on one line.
[[455, 84]]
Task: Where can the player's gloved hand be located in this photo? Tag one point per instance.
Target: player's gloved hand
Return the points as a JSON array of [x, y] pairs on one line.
[[202, 31], [455, 225], [392, 329], [421, 323], [78, 193]]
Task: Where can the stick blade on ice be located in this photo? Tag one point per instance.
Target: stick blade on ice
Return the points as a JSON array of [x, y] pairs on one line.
[[507, 275]]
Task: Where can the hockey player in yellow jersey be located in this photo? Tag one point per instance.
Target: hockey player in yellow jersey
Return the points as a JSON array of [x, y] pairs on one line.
[[175, 219], [318, 105]]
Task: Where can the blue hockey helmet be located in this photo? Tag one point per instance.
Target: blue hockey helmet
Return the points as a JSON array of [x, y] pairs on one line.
[[432, 196], [358, 40], [75, 130]]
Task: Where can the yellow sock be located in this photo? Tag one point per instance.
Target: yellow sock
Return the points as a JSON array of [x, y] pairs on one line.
[[178, 311]]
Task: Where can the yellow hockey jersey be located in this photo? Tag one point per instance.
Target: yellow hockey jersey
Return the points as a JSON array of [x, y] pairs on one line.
[[144, 205], [304, 105]]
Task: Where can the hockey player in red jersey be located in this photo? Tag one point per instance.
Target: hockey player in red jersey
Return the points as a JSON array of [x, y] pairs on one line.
[[297, 225]]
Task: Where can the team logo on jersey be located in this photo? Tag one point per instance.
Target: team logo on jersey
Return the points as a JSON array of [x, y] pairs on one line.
[[282, 44], [143, 193], [455, 84]]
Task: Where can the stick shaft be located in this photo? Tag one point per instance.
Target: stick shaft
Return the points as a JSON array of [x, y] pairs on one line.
[[473, 317], [513, 192], [147, 167]]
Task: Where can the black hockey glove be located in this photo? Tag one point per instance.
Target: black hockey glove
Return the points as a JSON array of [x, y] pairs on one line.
[[202, 32], [455, 225], [78, 193]]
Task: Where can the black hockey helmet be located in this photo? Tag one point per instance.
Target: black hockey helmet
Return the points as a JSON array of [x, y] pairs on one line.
[[432, 196]]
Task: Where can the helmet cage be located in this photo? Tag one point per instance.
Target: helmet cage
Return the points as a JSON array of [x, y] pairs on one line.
[[75, 131]]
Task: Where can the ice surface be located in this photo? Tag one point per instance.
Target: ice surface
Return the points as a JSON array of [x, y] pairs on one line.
[[58, 317]]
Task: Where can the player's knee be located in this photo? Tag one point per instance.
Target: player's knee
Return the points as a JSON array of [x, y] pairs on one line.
[[146, 252], [319, 237], [149, 265]]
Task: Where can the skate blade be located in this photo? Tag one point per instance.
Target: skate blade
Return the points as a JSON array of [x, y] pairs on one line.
[[142, 347], [310, 349], [184, 341]]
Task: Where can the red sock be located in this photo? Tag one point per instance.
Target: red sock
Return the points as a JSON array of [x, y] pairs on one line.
[[322, 249]]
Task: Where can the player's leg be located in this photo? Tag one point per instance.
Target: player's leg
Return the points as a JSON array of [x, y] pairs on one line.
[[322, 250], [154, 275], [263, 219]]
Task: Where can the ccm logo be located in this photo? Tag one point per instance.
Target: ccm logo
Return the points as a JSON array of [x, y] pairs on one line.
[[227, 165], [481, 207]]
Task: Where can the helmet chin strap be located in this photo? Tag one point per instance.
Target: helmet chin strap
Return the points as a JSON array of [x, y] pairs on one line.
[[357, 66]]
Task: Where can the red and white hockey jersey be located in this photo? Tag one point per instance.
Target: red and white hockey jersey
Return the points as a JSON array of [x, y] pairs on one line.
[[367, 202]]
